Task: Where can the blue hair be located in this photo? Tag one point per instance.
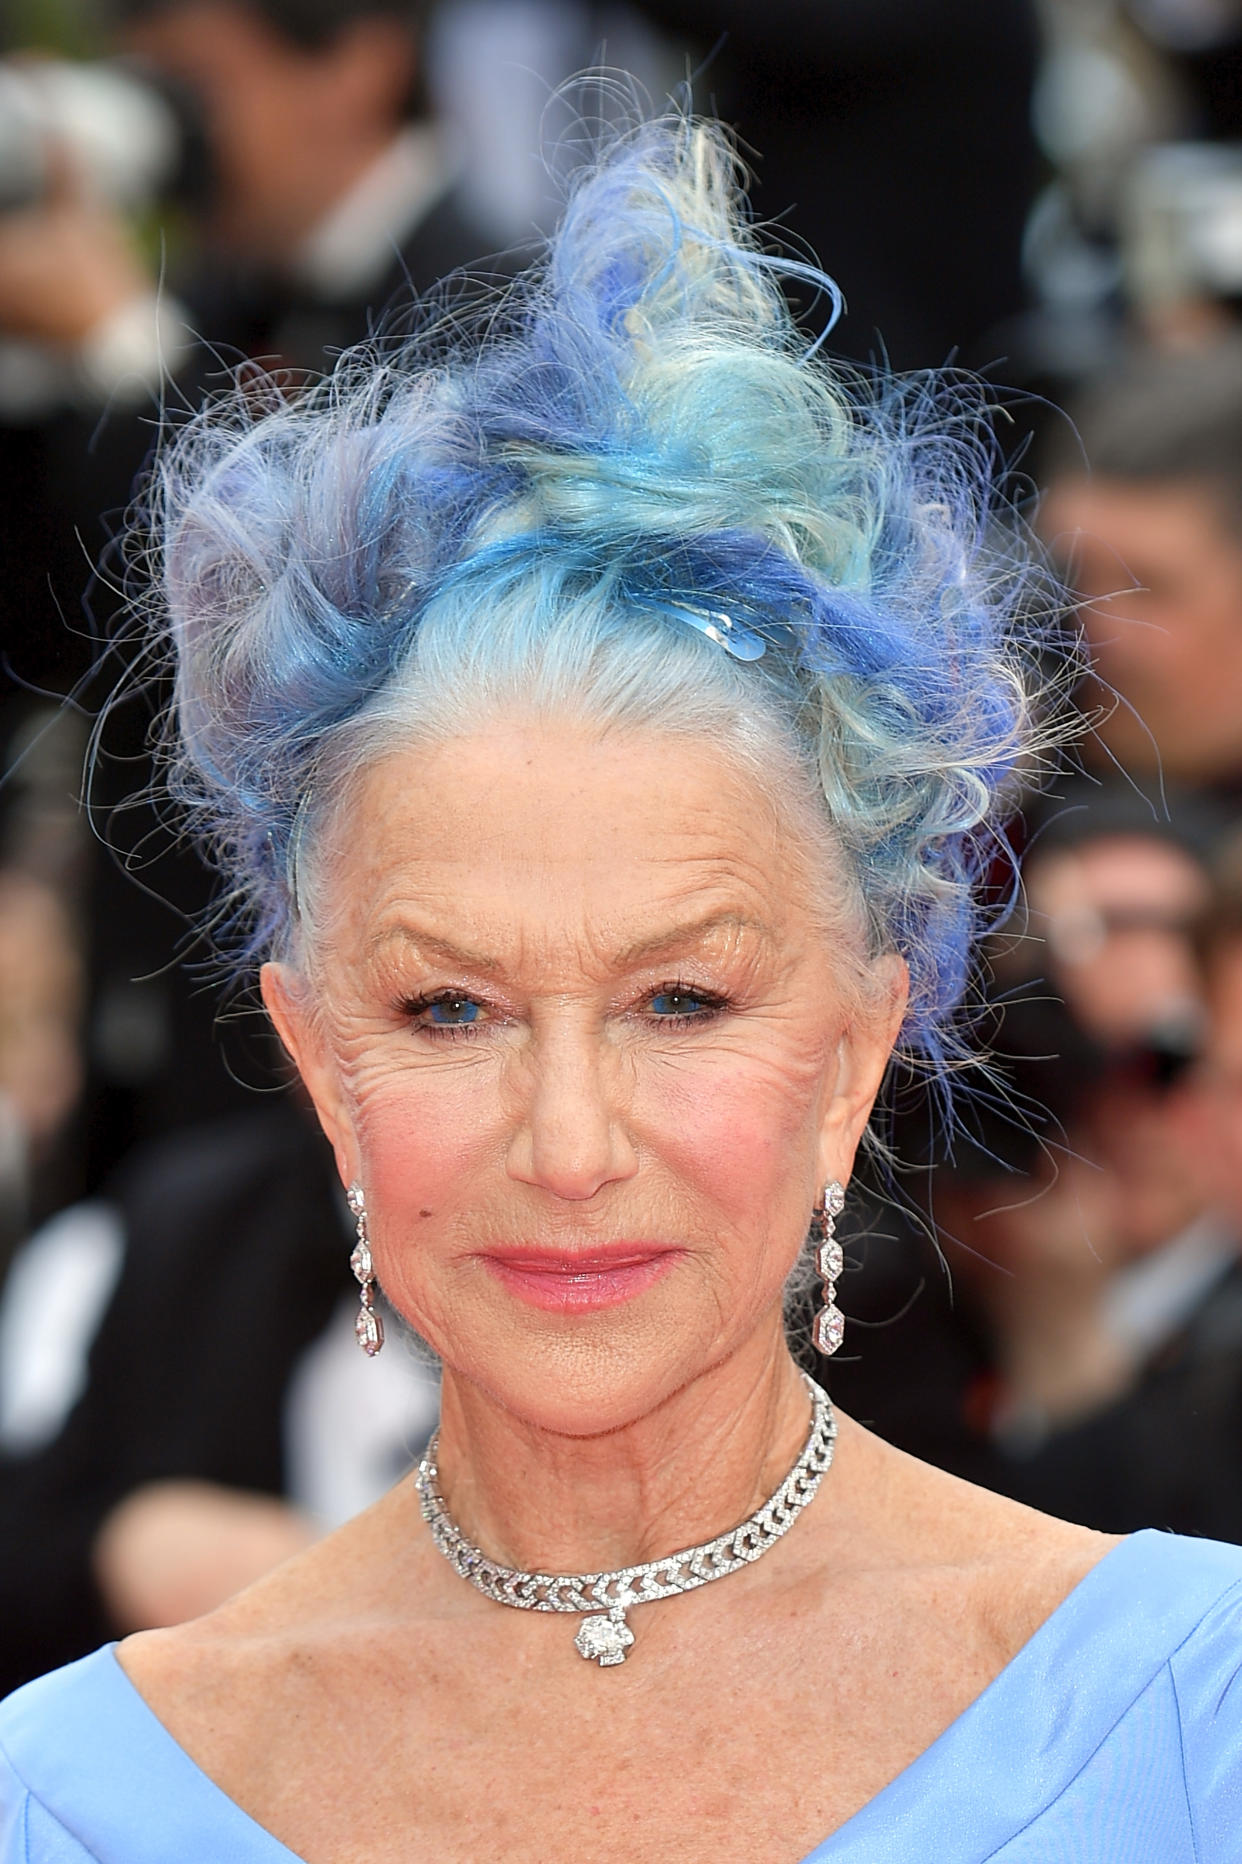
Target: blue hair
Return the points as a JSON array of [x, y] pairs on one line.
[[557, 499]]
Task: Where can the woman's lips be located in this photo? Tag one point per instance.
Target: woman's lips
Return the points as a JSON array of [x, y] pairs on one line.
[[580, 1281]]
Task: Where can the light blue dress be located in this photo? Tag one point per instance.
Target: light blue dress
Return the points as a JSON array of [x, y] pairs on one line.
[[1113, 1737]]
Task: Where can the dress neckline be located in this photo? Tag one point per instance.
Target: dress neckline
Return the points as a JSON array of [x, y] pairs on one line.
[[1063, 1702], [1047, 1710]]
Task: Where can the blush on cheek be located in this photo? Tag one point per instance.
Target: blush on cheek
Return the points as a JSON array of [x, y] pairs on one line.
[[739, 1139], [421, 1166]]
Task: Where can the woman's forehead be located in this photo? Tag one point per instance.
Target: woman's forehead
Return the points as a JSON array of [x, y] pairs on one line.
[[438, 931], [642, 837], [564, 796]]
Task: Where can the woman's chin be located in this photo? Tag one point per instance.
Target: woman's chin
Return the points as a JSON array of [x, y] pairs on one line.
[[585, 1379], [582, 1358]]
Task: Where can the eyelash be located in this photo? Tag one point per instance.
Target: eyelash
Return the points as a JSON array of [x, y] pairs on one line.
[[713, 1005], [414, 1007]]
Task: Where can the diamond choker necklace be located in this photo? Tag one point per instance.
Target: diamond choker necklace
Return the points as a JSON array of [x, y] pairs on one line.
[[602, 1599]]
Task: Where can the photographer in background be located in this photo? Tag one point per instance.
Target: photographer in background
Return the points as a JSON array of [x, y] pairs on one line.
[[1146, 515], [182, 1399], [1084, 1269], [318, 186], [1083, 1351], [320, 200]]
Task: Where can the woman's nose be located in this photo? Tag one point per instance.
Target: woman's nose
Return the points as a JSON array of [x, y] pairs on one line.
[[571, 1139]]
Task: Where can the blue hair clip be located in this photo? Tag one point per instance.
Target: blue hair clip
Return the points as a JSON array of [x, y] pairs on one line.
[[742, 643]]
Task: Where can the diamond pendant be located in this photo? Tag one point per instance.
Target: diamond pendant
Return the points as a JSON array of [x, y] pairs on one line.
[[369, 1331], [829, 1328], [830, 1260], [605, 1640]]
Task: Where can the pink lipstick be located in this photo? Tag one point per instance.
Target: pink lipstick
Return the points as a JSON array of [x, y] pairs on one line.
[[578, 1281]]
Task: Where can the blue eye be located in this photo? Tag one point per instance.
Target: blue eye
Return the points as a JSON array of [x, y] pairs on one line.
[[681, 1003], [450, 1012]]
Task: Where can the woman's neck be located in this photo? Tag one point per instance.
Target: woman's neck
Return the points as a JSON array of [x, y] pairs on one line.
[[691, 1468]]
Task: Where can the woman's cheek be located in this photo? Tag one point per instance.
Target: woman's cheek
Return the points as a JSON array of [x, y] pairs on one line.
[[734, 1128], [423, 1136]]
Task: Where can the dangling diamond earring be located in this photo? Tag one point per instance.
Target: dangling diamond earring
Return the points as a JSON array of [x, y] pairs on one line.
[[369, 1326], [830, 1321]]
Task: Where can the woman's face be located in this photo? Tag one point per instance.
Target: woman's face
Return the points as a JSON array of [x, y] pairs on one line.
[[577, 1029]]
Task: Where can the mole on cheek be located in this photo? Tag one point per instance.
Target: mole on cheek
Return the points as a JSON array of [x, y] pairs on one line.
[[424, 1213]]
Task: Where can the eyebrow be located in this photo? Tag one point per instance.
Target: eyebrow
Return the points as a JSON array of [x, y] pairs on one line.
[[434, 947], [687, 932]]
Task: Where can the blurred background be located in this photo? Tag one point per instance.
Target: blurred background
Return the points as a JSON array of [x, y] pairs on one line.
[[1049, 191]]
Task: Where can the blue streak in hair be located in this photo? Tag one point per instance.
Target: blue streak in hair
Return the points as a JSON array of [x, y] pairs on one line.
[[640, 427]]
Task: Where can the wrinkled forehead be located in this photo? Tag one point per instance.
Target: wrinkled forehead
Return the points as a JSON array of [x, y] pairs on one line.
[[544, 837]]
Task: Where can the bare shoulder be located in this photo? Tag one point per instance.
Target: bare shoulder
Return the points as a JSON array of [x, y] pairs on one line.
[[276, 1640], [994, 1565]]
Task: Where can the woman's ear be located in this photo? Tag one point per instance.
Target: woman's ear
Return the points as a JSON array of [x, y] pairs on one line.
[[866, 1045], [287, 1000]]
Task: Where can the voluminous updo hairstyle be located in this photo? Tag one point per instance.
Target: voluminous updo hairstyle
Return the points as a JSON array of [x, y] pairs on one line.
[[630, 488]]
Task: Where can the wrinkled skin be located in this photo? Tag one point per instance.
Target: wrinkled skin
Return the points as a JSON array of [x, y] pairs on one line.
[[568, 989], [644, 1031]]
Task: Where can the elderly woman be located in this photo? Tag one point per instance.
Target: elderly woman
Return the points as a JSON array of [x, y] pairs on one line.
[[599, 723]]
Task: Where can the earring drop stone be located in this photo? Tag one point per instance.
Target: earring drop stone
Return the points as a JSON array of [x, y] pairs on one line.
[[830, 1260], [368, 1325], [829, 1328]]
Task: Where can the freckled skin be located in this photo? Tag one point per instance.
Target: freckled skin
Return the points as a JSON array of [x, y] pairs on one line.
[[567, 1113], [652, 1039]]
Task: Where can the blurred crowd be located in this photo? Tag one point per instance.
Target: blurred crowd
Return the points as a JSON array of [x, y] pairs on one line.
[[1047, 1299]]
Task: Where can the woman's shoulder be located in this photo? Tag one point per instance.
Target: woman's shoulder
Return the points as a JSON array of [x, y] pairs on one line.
[[1205, 1674], [89, 1775], [1182, 1597], [39, 1726], [1163, 1596], [66, 1701], [1006, 1574], [101, 1760], [1141, 1675], [230, 1686], [1114, 1732], [1145, 1658]]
